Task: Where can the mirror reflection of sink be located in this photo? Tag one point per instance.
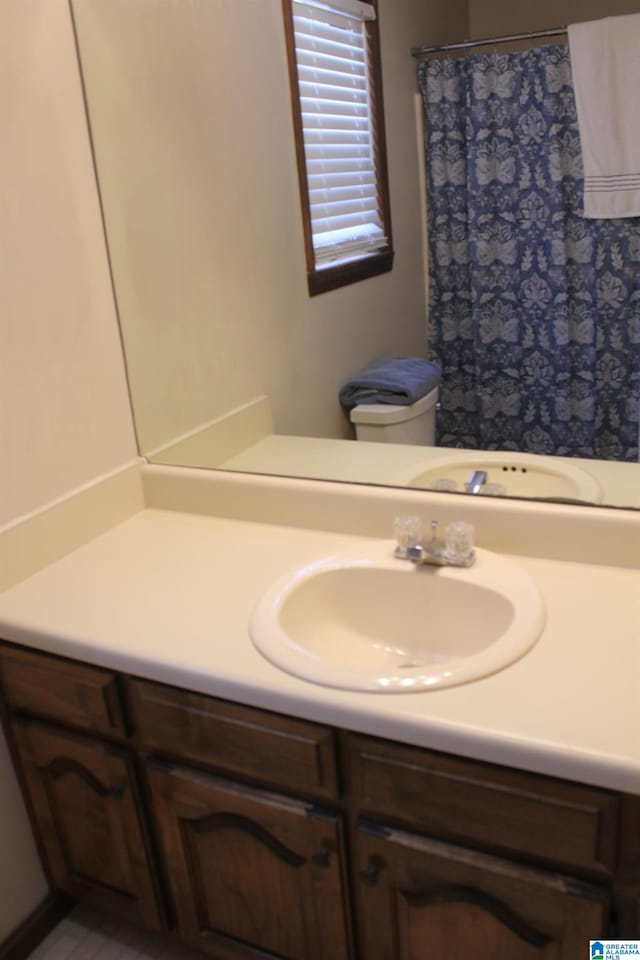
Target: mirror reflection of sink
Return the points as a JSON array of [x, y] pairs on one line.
[[521, 475], [363, 620]]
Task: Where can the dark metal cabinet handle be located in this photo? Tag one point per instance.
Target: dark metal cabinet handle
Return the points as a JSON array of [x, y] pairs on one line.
[[371, 872], [322, 857]]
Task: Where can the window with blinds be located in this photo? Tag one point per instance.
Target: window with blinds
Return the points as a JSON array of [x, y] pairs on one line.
[[339, 129]]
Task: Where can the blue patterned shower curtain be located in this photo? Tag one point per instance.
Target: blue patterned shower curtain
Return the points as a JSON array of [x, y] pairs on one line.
[[534, 311]]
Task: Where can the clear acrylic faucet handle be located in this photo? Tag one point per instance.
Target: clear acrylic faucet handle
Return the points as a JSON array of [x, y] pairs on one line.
[[407, 531]]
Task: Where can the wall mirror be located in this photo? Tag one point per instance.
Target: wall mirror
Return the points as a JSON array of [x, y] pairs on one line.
[[231, 363]]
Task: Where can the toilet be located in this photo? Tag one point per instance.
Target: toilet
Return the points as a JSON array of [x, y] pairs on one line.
[[389, 423]]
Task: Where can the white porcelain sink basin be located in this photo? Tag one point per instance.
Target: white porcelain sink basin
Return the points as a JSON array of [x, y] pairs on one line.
[[522, 475], [363, 620]]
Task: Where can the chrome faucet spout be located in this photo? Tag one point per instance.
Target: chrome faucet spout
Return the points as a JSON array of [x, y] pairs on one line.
[[476, 481]]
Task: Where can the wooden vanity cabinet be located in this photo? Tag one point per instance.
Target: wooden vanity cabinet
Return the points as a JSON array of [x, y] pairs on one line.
[[463, 859], [282, 839], [420, 897], [86, 804], [66, 725], [250, 871], [63, 691], [295, 756], [246, 806]]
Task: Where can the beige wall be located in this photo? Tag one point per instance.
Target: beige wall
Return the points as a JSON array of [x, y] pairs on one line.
[[191, 115], [64, 415], [489, 18]]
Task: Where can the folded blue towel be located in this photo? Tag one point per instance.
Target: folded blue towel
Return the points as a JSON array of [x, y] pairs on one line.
[[401, 380]]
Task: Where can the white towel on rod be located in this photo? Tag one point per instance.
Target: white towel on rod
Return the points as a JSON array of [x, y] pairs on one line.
[[605, 60]]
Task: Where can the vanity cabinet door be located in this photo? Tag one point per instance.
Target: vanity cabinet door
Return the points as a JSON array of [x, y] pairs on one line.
[[252, 873], [418, 898], [87, 816]]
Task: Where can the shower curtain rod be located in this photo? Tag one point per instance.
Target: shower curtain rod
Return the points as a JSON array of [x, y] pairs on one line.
[[468, 44]]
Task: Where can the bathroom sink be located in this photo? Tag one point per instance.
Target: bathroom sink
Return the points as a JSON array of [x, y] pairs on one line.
[[363, 620], [521, 475]]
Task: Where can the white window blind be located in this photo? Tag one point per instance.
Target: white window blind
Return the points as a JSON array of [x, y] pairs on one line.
[[333, 79]]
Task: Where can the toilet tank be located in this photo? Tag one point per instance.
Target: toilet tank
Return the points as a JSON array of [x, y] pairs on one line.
[[388, 423]]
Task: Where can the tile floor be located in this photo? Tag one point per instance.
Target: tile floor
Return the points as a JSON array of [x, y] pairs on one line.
[[85, 934]]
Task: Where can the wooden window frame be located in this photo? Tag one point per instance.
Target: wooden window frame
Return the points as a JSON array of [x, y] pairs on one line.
[[340, 274]]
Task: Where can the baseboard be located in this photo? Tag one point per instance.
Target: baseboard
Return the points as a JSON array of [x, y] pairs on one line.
[[35, 928]]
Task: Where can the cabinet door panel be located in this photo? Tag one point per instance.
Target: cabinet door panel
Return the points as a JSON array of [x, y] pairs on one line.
[[419, 897], [234, 739], [61, 690], [250, 871], [567, 825], [85, 805]]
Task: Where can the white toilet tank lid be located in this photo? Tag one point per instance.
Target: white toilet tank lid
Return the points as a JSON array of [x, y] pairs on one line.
[[387, 413]]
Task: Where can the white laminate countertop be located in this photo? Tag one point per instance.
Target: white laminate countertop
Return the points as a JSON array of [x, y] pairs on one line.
[[168, 596]]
